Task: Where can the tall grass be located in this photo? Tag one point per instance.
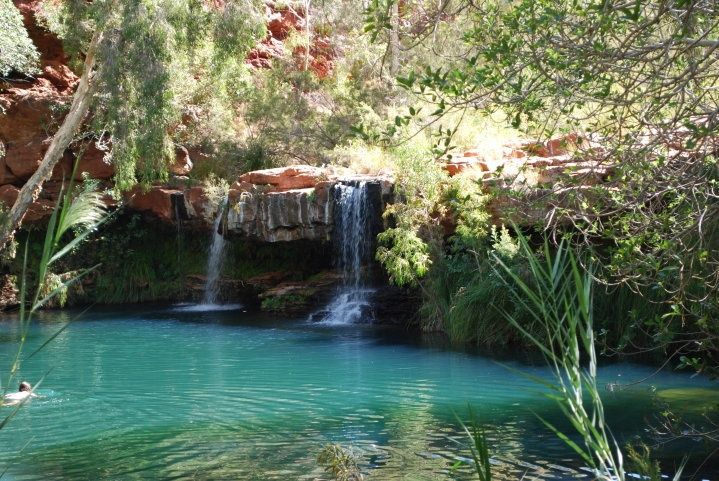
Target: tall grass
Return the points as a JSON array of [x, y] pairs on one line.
[[78, 212], [479, 447], [560, 299]]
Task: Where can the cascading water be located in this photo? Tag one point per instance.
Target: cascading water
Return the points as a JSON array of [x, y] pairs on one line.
[[353, 242], [214, 261]]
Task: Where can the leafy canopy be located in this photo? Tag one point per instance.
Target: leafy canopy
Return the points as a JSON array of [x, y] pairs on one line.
[[147, 52]]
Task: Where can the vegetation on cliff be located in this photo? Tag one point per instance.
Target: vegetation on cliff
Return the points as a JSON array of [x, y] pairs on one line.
[[17, 52]]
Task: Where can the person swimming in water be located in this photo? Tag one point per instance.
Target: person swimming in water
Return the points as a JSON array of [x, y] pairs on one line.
[[24, 392]]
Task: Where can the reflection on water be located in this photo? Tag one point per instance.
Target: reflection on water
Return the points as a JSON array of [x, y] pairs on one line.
[[177, 394]]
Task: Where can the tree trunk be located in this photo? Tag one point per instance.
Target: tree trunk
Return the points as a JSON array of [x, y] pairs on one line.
[[394, 39], [60, 142]]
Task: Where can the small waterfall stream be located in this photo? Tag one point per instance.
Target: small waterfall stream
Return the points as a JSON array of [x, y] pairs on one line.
[[214, 261], [353, 243]]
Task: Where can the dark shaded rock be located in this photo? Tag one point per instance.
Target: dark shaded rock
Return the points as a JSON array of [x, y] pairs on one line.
[[8, 292]]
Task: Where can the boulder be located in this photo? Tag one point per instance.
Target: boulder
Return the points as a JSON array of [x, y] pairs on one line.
[[283, 21], [6, 176], [38, 210], [60, 76], [182, 164], [92, 161], [22, 127], [157, 200]]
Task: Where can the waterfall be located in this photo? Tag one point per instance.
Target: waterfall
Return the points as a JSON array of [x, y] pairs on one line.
[[214, 261], [353, 243]]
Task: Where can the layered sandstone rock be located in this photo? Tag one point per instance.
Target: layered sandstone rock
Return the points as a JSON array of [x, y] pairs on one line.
[[282, 216], [529, 180], [567, 160], [168, 205], [293, 203], [284, 178]]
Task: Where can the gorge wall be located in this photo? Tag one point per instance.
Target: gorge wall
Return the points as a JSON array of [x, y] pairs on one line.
[[294, 203]]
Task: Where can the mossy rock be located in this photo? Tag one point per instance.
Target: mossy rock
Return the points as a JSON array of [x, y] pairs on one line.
[[691, 399], [288, 303]]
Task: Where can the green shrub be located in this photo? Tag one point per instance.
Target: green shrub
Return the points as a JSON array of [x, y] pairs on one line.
[[17, 52]]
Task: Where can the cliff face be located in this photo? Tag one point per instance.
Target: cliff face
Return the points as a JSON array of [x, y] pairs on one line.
[[31, 110], [31, 107], [293, 203]]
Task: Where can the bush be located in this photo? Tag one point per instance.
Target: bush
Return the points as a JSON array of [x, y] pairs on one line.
[[17, 52]]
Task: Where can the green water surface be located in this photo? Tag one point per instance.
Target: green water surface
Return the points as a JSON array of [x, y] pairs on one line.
[[172, 393]]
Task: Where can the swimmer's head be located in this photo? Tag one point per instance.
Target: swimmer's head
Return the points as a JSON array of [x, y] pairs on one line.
[[25, 386]]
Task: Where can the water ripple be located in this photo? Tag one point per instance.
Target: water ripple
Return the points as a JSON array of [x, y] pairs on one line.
[[153, 396]]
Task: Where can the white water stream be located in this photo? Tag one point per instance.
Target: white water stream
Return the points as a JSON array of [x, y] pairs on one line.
[[353, 242], [214, 262]]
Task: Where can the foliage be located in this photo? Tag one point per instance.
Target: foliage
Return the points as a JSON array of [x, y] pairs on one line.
[[455, 274], [561, 301], [215, 190], [404, 249], [479, 447], [76, 213], [285, 302], [637, 80], [154, 261], [340, 463], [293, 116], [143, 59], [407, 260], [17, 52], [639, 461]]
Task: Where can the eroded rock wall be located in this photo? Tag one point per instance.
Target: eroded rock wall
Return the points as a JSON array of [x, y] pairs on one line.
[[293, 203]]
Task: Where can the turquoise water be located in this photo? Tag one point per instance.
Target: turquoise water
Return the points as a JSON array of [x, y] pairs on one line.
[[167, 393]]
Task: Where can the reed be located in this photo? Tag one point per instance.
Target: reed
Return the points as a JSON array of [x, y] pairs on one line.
[[78, 213], [560, 299]]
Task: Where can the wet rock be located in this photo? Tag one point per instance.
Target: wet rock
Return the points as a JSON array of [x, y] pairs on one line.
[[229, 290], [282, 216], [295, 297], [293, 203]]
